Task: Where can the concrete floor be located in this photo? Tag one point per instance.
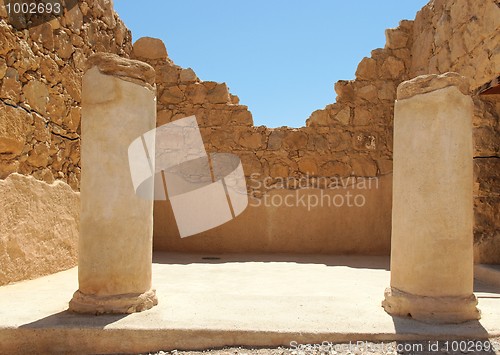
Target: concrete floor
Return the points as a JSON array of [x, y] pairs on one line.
[[248, 300]]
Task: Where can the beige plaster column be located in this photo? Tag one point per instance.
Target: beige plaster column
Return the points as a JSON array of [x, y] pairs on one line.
[[432, 212], [115, 245]]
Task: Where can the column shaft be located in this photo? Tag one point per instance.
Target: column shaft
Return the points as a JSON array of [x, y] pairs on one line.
[[432, 218], [115, 246]]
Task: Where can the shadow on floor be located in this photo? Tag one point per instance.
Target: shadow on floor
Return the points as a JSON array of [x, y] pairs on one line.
[[481, 288], [443, 339], [67, 319], [353, 261]]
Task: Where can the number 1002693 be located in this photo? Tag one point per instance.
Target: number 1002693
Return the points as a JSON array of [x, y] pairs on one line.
[[34, 8]]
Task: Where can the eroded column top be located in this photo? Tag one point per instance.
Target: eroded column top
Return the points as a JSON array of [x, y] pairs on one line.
[[126, 69], [428, 83]]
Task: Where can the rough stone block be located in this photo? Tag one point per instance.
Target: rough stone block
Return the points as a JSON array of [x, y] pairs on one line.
[[150, 48], [396, 38], [367, 69], [36, 95], [15, 125], [219, 94]]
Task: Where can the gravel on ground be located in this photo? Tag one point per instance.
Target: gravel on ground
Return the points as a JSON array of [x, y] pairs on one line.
[[452, 347]]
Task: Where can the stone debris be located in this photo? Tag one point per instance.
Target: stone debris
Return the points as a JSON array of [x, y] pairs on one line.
[[484, 347]]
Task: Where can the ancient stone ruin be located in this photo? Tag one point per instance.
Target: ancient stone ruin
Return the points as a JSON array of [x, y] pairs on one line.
[[432, 119], [426, 101], [41, 70], [116, 224]]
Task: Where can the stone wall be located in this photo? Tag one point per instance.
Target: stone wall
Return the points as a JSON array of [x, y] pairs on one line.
[[39, 227], [464, 36], [487, 179], [350, 138], [40, 85], [460, 36], [40, 94]]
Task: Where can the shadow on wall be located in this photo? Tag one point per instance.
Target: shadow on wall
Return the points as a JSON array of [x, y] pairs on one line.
[[282, 221]]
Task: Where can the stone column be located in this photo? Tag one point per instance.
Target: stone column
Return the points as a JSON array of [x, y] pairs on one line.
[[115, 245], [432, 212]]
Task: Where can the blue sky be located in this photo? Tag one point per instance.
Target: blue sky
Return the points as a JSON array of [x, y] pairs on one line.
[[281, 57]]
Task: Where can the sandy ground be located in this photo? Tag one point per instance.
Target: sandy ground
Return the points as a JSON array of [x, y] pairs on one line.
[[237, 300]]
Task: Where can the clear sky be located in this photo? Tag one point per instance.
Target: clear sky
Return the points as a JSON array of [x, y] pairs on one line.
[[281, 57]]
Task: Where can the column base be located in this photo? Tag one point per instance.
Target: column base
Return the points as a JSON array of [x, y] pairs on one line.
[[441, 310], [118, 304]]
